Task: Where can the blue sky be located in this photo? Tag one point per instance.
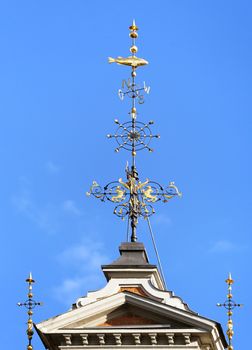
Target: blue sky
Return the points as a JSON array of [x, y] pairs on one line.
[[58, 102]]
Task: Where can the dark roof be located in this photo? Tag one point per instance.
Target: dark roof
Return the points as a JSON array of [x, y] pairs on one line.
[[131, 254]]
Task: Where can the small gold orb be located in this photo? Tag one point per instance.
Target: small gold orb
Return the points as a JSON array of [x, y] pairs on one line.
[[133, 26], [133, 110], [134, 153], [29, 347], [133, 49], [133, 35]]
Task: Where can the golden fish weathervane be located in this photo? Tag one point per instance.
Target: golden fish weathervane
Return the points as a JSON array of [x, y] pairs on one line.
[[132, 61], [129, 61], [133, 198]]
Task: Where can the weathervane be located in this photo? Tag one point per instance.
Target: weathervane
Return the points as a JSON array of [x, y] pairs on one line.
[[30, 304], [132, 197], [229, 305]]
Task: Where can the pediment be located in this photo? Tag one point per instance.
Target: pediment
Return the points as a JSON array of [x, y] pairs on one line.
[[125, 310], [129, 318]]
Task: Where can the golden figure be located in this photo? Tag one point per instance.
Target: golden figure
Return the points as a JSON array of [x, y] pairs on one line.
[[120, 195], [148, 194], [132, 184], [132, 61]]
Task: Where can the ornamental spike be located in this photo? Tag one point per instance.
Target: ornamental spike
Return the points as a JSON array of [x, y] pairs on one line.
[[30, 304], [229, 280], [229, 305], [30, 279]]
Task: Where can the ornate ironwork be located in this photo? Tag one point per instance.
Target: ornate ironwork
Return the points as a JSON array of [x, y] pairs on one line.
[[133, 136], [133, 198], [130, 89], [30, 304], [229, 305]]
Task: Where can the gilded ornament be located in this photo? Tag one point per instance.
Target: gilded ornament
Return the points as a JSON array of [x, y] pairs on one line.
[[133, 49], [132, 61], [30, 304], [229, 304], [132, 197]]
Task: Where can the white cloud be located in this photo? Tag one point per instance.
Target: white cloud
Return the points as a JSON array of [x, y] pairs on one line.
[[224, 246], [47, 216], [44, 217], [70, 207], [75, 287], [161, 219], [88, 254], [86, 258], [51, 167]]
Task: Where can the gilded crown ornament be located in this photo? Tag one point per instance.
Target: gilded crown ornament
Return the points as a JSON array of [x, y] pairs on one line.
[[30, 304], [133, 198], [229, 305]]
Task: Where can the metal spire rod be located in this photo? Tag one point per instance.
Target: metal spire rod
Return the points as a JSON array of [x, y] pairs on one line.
[[30, 304], [133, 198], [229, 305]]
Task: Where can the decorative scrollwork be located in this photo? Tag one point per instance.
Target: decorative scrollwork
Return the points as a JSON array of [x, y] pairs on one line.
[[154, 192], [146, 210], [122, 210], [134, 198], [97, 191], [170, 191]]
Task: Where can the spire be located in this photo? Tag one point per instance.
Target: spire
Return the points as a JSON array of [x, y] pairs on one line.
[[30, 304], [133, 198], [229, 305]]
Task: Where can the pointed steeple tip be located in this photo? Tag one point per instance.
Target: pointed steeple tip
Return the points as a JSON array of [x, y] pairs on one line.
[[229, 280], [133, 26], [30, 279]]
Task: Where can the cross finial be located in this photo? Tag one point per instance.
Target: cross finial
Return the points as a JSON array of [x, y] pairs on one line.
[[132, 197], [30, 304], [229, 305]]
